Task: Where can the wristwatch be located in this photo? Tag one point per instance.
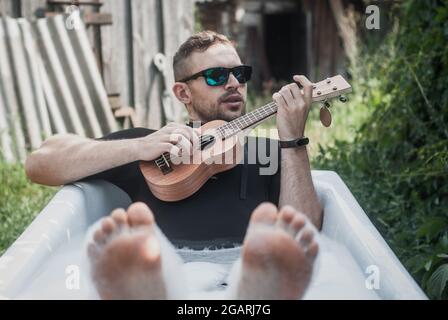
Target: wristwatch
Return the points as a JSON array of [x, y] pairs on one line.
[[294, 143]]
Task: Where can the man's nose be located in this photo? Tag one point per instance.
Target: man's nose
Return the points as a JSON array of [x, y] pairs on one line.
[[232, 82]]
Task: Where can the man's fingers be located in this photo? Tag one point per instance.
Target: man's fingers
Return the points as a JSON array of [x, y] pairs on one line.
[[296, 92], [297, 95], [173, 130], [303, 80], [287, 95], [174, 151], [177, 127], [188, 132], [307, 87], [279, 100], [183, 143]]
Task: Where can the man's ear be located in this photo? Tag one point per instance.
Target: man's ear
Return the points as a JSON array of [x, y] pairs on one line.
[[182, 92]]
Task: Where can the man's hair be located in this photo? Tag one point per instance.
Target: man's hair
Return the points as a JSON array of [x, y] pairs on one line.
[[198, 42]]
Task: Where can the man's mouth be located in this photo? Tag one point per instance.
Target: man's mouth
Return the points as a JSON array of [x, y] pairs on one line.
[[233, 101]]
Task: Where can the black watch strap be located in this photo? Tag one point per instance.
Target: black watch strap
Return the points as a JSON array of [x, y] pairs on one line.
[[294, 143]]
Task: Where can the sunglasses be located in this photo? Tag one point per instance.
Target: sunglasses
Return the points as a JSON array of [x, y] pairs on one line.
[[219, 76]]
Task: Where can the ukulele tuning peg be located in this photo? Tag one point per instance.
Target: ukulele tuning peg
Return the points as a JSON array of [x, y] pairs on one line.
[[343, 99]]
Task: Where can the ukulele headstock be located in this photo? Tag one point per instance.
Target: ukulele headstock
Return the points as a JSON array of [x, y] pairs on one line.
[[330, 88]]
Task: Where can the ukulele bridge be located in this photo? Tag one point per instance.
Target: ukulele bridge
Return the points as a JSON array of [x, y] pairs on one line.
[[164, 163]]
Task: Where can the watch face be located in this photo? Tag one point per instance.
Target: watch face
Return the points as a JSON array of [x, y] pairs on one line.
[[302, 142]]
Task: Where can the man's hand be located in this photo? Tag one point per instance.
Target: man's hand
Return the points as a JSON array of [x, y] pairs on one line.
[[66, 158], [174, 138], [293, 108]]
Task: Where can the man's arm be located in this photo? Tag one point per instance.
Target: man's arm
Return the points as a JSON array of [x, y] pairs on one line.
[[296, 185], [66, 158]]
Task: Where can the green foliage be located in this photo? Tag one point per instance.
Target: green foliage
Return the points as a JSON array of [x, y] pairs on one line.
[[397, 165], [20, 202]]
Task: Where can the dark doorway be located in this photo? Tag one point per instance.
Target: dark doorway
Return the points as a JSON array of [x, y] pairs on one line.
[[285, 40]]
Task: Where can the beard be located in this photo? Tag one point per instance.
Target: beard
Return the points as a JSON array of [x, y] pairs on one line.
[[217, 111]]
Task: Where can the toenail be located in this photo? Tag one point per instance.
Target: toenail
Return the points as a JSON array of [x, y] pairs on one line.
[[108, 224]]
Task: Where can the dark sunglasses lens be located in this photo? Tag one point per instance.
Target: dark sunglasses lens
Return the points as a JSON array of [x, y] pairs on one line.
[[216, 76], [242, 73]]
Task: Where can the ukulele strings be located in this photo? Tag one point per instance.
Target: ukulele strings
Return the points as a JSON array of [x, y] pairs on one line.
[[166, 157]]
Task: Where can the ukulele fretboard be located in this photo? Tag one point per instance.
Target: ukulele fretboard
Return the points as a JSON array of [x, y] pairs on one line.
[[248, 120]]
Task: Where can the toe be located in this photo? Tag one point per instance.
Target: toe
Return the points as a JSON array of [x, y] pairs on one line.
[[139, 214], [99, 236], [92, 251], [286, 215], [313, 249], [306, 237], [119, 216], [297, 223], [265, 213], [108, 225]]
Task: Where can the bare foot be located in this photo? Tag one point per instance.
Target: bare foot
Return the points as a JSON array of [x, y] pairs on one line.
[[277, 255], [125, 256]]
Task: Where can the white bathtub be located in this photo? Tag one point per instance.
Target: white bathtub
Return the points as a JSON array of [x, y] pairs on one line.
[[75, 207]]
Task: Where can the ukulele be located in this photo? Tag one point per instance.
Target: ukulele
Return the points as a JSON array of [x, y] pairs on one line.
[[221, 147]]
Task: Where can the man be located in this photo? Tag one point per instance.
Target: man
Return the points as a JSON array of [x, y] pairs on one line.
[[131, 264]]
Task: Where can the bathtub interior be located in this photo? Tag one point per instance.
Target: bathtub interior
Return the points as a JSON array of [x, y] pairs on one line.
[[59, 230]]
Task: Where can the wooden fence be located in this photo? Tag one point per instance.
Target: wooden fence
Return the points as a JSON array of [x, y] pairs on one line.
[[141, 31], [49, 83]]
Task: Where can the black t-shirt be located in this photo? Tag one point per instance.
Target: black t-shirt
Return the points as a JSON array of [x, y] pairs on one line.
[[219, 212]]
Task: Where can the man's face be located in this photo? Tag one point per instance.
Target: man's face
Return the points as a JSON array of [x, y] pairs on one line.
[[226, 102]]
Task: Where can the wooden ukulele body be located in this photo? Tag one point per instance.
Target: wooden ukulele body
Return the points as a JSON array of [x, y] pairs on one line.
[[185, 179]]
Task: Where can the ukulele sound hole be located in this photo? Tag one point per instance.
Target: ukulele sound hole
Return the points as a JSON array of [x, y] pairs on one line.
[[207, 141]]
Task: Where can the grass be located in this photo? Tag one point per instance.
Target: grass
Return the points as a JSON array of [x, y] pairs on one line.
[[20, 201]]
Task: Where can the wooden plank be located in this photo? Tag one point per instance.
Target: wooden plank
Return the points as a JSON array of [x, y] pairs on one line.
[[97, 3], [75, 77], [95, 18], [92, 78], [178, 25], [10, 8], [23, 83], [146, 28], [115, 101], [58, 80], [50, 97], [32, 55], [10, 99], [7, 150], [116, 46], [29, 9]]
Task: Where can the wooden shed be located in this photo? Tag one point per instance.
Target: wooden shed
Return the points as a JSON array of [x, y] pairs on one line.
[[285, 37]]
